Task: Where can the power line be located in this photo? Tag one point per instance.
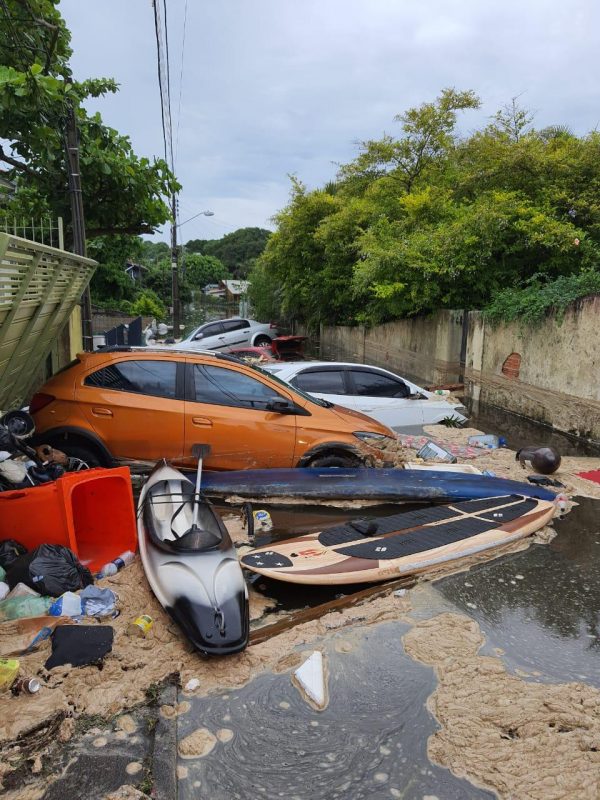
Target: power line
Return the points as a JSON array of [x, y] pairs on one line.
[[181, 79], [160, 72], [168, 62]]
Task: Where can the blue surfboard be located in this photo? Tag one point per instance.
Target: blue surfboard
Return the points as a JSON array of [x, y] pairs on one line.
[[364, 483]]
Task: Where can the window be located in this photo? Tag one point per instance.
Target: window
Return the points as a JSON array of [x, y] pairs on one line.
[[320, 381], [209, 330], [226, 387], [235, 325], [376, 384], [156, 378]]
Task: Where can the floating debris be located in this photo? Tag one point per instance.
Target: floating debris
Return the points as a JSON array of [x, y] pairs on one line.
[[311, 680]]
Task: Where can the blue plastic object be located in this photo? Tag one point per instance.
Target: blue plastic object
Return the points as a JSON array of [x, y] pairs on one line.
[[365, 483]]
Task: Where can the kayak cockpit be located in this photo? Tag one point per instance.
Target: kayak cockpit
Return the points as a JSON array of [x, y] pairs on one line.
[[168, 516]]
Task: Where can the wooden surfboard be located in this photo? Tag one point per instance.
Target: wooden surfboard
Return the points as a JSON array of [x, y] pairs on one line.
[[363, 551]]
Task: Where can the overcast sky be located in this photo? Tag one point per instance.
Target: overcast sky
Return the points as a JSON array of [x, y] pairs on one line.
[[272, 87]]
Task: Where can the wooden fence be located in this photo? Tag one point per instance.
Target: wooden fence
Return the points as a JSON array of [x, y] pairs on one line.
[[39, 288]]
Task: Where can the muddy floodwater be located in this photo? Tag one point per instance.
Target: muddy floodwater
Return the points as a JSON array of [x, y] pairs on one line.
[[370, 741], [542, 606], [538, 610]]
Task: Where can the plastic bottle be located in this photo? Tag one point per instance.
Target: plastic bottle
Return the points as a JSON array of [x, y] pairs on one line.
[[442, 392], [9, 669], [18, 607], [487, 440], [116, 564]]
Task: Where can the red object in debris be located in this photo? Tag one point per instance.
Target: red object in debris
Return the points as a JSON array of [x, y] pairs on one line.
[[592, 475], [288, 348], [91, 512]]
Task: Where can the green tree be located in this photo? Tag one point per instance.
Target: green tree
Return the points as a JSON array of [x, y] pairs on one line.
[[122, 193], [200, 270], [237, 250], [432, 220], [148, 304]]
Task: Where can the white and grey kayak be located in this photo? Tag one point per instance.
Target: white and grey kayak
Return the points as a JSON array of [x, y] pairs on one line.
[[192, 565]]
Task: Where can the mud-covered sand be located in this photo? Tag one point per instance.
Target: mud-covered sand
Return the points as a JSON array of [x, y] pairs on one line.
[[134, 665], [519, 738]]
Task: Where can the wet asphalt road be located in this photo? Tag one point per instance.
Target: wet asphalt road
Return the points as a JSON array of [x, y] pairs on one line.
[[541, 607]]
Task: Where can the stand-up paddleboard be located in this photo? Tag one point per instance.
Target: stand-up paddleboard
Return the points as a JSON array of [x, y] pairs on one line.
[[362, 551], [191, 563], [364, 483]]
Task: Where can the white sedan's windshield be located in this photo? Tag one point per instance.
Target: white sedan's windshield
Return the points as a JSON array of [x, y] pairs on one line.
[[270, 374]]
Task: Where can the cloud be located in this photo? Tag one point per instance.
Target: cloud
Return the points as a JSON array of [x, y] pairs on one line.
[[272, 87]]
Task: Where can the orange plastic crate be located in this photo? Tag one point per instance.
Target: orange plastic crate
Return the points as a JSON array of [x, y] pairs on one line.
[[91, 512]]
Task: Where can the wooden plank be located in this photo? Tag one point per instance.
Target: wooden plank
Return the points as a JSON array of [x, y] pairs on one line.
[[259, 635]]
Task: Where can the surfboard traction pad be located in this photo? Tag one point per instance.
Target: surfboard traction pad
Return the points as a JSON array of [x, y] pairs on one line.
[[383, 546]]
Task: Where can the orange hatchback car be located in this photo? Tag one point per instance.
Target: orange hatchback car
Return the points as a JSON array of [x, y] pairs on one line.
[[126, 405]]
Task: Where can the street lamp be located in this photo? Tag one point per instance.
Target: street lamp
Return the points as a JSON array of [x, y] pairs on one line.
[[199, 214], [174, 263]]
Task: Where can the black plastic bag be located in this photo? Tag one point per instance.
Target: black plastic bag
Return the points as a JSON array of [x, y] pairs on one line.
[[10, 550], [50, 569]]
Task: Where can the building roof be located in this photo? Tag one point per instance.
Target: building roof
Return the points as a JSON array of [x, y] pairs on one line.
[[236, 287]]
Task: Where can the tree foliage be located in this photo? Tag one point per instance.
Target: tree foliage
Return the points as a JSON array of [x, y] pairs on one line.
[[430, 220], [122, 192], [237, 250], [200, 270]]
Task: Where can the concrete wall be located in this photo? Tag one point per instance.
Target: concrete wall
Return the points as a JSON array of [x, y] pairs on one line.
[[424, 349], [551, 371], [558, 380]]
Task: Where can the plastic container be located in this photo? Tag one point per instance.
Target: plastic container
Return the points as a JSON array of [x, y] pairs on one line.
[[4, 590], [91, 512], [116, 564], [487, 440], [22, 590], [262, 520], [434, 452], [67, 605], [9, 670], [442, 392], [18, 607]]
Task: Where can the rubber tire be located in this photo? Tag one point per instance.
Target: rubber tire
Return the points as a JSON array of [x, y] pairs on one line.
[[85, 452], [334, 461], [262, 341]]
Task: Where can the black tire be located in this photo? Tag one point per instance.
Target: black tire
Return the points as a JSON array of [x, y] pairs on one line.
[[262, 341], [334, 461], [84, 452]]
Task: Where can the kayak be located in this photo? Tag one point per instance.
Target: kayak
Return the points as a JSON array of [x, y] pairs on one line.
[[191, 563], [383, 548], [365, 483]]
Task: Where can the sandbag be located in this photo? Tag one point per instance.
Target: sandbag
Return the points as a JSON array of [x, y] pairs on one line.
[[10, 550], [50, 569]]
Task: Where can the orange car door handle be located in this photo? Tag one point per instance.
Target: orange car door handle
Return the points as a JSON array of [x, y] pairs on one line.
[[202, 422], [102, 412]]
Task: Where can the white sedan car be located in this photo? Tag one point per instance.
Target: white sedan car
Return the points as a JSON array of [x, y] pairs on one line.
[[386, 397], [225, 333]]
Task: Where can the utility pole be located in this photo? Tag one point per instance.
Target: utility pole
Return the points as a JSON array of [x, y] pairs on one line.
[[174, 268], [77, 219]]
